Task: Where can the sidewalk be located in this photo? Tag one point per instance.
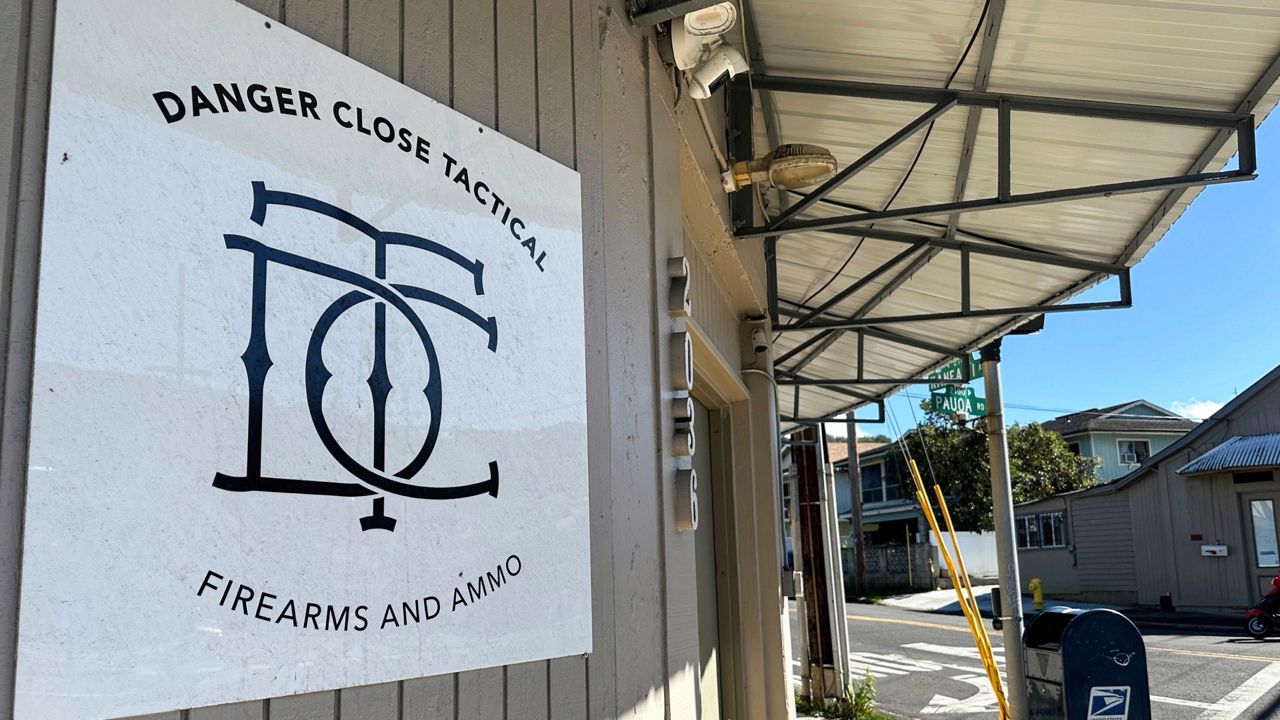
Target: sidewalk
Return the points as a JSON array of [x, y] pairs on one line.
[[945, 602]]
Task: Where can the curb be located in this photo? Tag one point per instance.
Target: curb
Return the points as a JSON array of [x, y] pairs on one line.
[[1224, 628], [1214, 629]]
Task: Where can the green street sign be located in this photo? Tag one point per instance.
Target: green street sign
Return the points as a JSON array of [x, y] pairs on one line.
[[954, 371], [955, 404]]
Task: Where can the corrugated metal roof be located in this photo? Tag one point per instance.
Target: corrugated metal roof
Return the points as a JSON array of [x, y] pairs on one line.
[[1241, 452], [1181, 54]]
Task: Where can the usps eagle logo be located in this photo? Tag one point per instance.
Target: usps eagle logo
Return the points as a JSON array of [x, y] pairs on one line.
[[368, 477], [1109, 703]]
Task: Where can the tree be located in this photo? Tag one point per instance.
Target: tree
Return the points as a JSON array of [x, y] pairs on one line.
[[877, 438], [955, 456], [1041, 465]]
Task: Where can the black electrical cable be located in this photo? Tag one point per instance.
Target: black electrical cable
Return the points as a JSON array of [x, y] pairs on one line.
[[977, 30]]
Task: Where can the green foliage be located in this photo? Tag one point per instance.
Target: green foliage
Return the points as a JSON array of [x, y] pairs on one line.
[[860, 697], [858, 703], [881, 438], [1040, 465]]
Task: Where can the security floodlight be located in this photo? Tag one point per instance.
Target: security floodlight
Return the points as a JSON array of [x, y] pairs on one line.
[[722, 63], [698, 34]]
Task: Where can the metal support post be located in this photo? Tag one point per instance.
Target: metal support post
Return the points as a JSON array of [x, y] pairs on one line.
[[855, 486], [1006, 547], [813, 562], [797, 567], [835, 570]]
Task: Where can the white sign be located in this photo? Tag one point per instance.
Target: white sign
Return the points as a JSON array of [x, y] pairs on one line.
[[309, 405]]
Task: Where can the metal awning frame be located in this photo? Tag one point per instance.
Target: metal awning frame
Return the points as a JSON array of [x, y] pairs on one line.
[[966, 310], [1242, 124], [922, 248], [809, 320], [844, 416], [792, 377], [860, 400]]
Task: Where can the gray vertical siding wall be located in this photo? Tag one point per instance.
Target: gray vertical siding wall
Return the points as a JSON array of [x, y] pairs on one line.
[[26, 39], [1104, 547], [1169, 508], [1136, 543], [533, 69], [712, 310], [1055, 567]]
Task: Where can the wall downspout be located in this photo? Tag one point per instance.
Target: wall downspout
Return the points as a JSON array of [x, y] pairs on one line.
[[758, 377]]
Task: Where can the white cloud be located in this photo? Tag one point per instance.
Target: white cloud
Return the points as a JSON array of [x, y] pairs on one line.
[[1195, 409]]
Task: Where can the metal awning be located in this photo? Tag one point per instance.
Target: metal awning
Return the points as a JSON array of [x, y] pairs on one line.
[[1241, 452], [1070, 138]]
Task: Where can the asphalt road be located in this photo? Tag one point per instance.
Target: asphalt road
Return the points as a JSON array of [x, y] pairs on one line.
[[925, 666]]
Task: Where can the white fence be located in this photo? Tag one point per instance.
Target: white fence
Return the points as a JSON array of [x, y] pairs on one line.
[[979, 550]]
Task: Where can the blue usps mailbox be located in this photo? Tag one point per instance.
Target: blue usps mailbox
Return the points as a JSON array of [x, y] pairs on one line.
[[1085, 665]]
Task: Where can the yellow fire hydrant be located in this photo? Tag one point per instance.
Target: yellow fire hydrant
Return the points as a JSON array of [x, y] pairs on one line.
[[1037, 595]]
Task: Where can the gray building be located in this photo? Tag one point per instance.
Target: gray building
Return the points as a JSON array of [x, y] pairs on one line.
[[683, 622], [1197, 520]]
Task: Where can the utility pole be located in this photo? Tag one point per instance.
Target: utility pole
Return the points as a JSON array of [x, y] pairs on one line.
[[814, 563], [1006, 547], [855, 485], [835, 570], [797, 567]]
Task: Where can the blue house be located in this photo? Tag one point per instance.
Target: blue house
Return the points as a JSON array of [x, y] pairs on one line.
[[1122, 436]]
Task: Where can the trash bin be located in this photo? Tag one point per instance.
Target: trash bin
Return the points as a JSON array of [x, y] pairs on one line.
[[1085, 665]]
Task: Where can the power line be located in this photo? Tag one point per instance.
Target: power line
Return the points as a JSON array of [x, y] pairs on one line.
[[977, 30]]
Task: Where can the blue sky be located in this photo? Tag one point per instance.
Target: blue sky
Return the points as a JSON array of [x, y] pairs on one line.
[[1205, 321]]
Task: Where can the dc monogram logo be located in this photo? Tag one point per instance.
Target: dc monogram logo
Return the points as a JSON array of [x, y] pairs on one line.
[[372, 479]]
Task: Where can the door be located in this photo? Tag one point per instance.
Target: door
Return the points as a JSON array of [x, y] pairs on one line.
[[1264, 548], [705, 569]]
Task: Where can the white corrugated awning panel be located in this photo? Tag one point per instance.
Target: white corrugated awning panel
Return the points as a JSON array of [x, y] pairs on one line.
[[1206, 56]]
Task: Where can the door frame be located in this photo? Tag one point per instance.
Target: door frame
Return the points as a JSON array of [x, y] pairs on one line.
[[717, 387], [1251, 569]]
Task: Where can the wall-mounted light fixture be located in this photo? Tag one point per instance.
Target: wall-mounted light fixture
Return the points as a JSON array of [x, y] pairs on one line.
[[790, 166]]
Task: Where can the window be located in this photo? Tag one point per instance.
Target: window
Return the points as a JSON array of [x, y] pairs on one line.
[[879, 487], [1074, 448], [872, 484], [1265, 547], [1133, 452], [892, 490], [1042, 530], [1053, 530]]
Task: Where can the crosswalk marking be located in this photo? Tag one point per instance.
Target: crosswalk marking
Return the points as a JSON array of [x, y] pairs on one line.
[[968, 653], [1184, 703], [882, 666], [877, 671], [895, 660], [892, 665]]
